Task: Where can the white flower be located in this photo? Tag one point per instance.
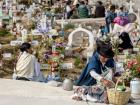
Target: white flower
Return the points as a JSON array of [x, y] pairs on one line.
[[116, 37], [120, 41], [104, 37]]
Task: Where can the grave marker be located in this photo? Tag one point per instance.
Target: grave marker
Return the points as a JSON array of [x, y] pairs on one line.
[[7, 55], [15, 43], [44, 66], [67, 66]]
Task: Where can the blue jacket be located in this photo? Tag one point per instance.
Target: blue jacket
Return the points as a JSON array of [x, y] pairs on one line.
[[96, 65]]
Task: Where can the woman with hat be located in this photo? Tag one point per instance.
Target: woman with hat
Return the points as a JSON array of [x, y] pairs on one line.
[[100, 62]]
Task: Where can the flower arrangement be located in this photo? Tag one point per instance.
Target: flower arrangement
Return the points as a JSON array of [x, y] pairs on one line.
[[134, 67], [113, 40]]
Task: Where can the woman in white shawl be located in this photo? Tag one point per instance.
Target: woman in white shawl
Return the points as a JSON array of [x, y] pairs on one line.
[[27, 68]]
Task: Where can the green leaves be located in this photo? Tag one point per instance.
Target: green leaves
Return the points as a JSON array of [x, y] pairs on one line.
[[4, 32]]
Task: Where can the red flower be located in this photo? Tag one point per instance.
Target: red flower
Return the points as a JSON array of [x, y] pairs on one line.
[[138, 69], [129, 64], [134, 66], [135, 62]]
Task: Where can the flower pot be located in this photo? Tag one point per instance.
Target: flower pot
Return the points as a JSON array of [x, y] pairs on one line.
[[135, 88]]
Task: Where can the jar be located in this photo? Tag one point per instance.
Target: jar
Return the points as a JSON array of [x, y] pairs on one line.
[[68, 84]]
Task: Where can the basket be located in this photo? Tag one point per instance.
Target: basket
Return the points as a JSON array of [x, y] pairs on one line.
[[116, 97]]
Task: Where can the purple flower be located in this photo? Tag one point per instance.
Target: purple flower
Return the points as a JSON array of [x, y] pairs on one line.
[[47, 54]]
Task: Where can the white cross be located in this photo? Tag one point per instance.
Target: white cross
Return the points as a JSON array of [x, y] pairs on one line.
[[130, 4], [62, 23]]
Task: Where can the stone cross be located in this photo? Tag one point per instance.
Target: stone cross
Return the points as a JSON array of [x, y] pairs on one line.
[[43, 21], [33, 6], [11, 13], [130, 4], [24, 34], [62, 23]]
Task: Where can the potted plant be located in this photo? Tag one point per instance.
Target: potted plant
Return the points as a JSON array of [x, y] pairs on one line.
[[134, 68]]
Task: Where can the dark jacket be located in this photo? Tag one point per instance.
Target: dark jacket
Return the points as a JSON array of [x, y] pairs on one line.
[[99, 11], [94, 64]]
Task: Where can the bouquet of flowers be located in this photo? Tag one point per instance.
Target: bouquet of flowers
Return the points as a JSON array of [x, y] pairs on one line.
[[134, 67]]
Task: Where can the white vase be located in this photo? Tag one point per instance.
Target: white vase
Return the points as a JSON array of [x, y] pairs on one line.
[[135, 88]]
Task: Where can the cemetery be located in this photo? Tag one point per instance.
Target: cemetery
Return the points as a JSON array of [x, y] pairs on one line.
[[87, 49]]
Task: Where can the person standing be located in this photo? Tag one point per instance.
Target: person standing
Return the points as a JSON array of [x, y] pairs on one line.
[[99, 10], [68, 10], [109, 18], [83, 10]]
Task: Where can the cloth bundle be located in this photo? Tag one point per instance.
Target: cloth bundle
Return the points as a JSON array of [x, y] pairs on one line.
[[91, 93], [122, 20]]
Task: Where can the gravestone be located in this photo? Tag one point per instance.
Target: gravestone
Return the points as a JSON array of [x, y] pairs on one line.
[[43, 25], [35, 43], [81, 38], [7, 55], [15, 42]]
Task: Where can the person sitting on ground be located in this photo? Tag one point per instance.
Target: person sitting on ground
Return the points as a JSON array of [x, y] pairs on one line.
[[97, 75], [101, 60], [83, 10], [100, 10], [126, 42], [27, 68]]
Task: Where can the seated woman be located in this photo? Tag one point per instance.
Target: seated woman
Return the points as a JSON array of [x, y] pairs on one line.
[[126, 42], [101, 60], [27, 67]]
